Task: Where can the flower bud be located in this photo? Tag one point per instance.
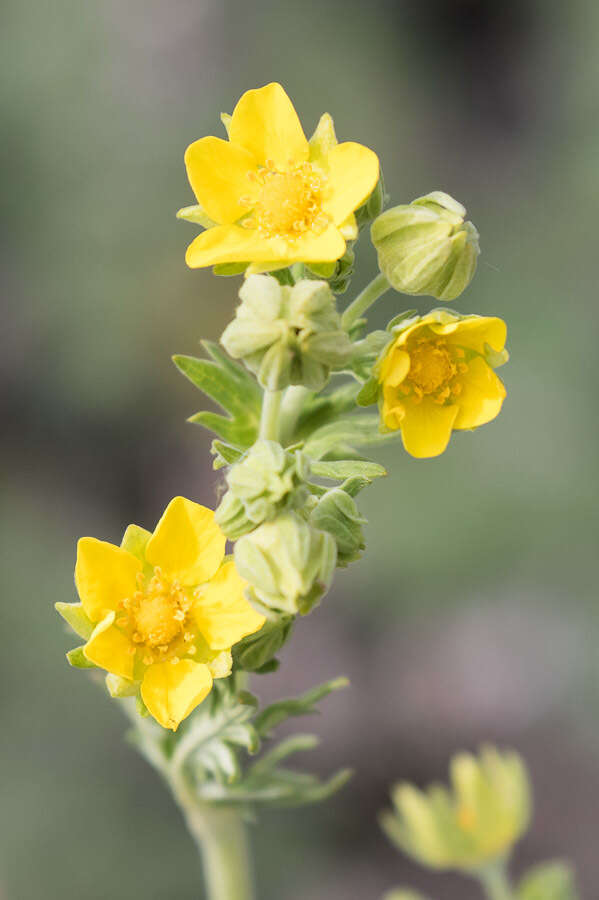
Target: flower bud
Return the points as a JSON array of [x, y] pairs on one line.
[[473, 825], [287, 335], [288, 564], [338, 514], [425, 247], [264, 482]]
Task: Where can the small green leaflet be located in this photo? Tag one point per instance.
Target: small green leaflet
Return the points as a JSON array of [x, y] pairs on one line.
[[230, 386]]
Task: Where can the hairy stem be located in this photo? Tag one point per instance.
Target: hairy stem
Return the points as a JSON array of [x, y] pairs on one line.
[[221, 838], [371, 293], [269, 421], [496, 883]]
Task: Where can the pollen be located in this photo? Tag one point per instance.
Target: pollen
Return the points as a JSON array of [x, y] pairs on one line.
[[435, 371], [289, 203], [155, 619]]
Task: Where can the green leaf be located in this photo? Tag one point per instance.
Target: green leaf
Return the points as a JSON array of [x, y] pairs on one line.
[[341, 469], [273, 715], [359, 431], [232, 394], [277, 788], [214, 732], [548, 881], [296, 743], [230, 386], [75, 617], [77, 659], [229, 430], [321, 409]]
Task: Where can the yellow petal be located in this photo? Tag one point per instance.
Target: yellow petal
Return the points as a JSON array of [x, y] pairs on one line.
[[353, 171], [218, 173], [222, 613], [327, 246], [172, 690], [104, 575], [110, 649], [266, 124], [426, 427], [482, 395], [187, 543], [473, 333], [393, 409], [394, 368], [231, 243]]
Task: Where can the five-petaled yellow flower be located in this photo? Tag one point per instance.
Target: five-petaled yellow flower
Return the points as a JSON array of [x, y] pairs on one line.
[[437, 376], [270, 197], [167, 608]]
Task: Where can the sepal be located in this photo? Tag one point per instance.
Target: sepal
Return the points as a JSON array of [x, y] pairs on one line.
[[119, 687], [257, 651], [78, 659], [75, 617], [195, 214]]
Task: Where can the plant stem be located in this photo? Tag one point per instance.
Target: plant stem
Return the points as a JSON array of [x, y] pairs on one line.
[[371, 293], [221, 838], [269, 421], [495, 881]]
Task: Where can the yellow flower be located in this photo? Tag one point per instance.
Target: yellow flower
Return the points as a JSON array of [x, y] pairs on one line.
[[471, 826], [167, 608], [437, 376], [269, 197]]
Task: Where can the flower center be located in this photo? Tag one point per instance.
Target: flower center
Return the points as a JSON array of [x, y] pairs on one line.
[[289, 203], [434, 371], [155, 619], [431, 366]]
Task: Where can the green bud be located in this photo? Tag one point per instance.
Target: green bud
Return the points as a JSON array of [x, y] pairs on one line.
[[338, 514], [426, 247], [287, 335], [264, 482], [288, 563]]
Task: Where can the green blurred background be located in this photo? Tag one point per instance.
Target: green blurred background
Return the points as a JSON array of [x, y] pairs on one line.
[[473, 615]]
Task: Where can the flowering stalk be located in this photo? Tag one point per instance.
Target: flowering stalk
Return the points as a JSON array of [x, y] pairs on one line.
[[371, 293], [177, 625], [495, 882], [269, 421]]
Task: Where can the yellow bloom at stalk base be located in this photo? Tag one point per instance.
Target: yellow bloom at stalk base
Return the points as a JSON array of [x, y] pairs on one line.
[[472, 825], [164, 609], [268, 196], [437, 376]]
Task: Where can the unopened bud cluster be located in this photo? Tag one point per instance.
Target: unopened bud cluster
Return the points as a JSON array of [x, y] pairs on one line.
[[264, 482], [287, 335]]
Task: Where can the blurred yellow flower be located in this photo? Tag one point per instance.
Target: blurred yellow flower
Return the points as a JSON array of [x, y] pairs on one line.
[[267, 195], [166, 607], [437, 376], [475, 824]]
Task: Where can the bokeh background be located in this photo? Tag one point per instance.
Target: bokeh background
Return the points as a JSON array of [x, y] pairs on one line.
[[474, 614]]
